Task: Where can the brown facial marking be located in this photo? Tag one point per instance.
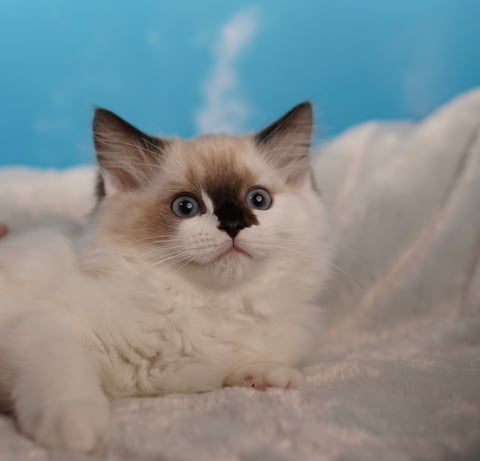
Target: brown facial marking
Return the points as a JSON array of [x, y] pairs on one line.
[[158, 220], [143, 219], [229, 205], [226, 180], [216, 167]]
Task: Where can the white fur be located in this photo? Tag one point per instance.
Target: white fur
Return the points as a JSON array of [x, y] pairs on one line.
[[85, 316]]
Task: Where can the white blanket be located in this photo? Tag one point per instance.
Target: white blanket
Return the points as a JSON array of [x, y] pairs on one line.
[[398, 373]]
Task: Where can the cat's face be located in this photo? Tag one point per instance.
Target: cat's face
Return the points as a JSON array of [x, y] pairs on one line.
[[216, 208]]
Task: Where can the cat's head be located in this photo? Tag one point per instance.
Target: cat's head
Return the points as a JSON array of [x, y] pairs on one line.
[[216, 208]]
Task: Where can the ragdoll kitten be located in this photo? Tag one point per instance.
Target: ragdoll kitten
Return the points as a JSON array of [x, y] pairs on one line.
[[198, 268]]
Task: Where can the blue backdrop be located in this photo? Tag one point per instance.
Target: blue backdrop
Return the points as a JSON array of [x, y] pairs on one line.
[[186, 67]]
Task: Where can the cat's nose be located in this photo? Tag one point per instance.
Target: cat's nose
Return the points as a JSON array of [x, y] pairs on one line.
[[232, 228], [231, 218]]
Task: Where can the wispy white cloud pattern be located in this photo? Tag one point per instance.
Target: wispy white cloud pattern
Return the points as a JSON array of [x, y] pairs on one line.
[[223, 109], [424, 74]]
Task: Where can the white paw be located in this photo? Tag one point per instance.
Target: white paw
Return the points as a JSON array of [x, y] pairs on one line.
[[76, 426], [262, 375]]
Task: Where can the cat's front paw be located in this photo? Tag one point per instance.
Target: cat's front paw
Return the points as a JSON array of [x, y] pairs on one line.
[[262, 375], [76, 426]]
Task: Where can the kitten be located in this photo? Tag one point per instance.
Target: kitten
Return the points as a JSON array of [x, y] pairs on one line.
[[198, 268]]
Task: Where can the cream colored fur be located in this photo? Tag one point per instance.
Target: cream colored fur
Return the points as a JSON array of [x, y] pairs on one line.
[[112, 309]]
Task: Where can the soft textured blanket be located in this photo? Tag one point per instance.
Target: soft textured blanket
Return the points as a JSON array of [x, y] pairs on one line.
[[398, 374]]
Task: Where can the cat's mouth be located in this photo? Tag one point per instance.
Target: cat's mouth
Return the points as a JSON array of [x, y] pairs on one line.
[[230, 253], [234, 250]]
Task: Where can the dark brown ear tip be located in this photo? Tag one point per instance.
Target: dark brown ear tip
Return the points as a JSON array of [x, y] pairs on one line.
[[304, 106], [302, 111], [99, 111], [105, 120], [100, 114]]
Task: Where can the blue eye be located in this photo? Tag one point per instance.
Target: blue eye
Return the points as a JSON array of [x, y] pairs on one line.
[[185, 206], [259, 199]]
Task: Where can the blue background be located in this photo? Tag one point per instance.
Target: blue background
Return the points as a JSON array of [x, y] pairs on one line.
[[185, 67]]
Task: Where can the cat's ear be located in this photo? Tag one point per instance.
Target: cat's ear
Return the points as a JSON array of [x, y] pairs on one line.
[[126, 156], [286, 143]]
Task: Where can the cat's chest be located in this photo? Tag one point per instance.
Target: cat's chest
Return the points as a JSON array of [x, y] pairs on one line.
[[156, 337], [191, 323]]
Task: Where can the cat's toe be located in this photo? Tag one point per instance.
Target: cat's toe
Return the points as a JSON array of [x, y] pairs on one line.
[[78, 426], [284, 377], [263, 375]]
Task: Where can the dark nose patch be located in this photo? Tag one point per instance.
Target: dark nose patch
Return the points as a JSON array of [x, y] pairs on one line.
[[226, 183], [233, 218]]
